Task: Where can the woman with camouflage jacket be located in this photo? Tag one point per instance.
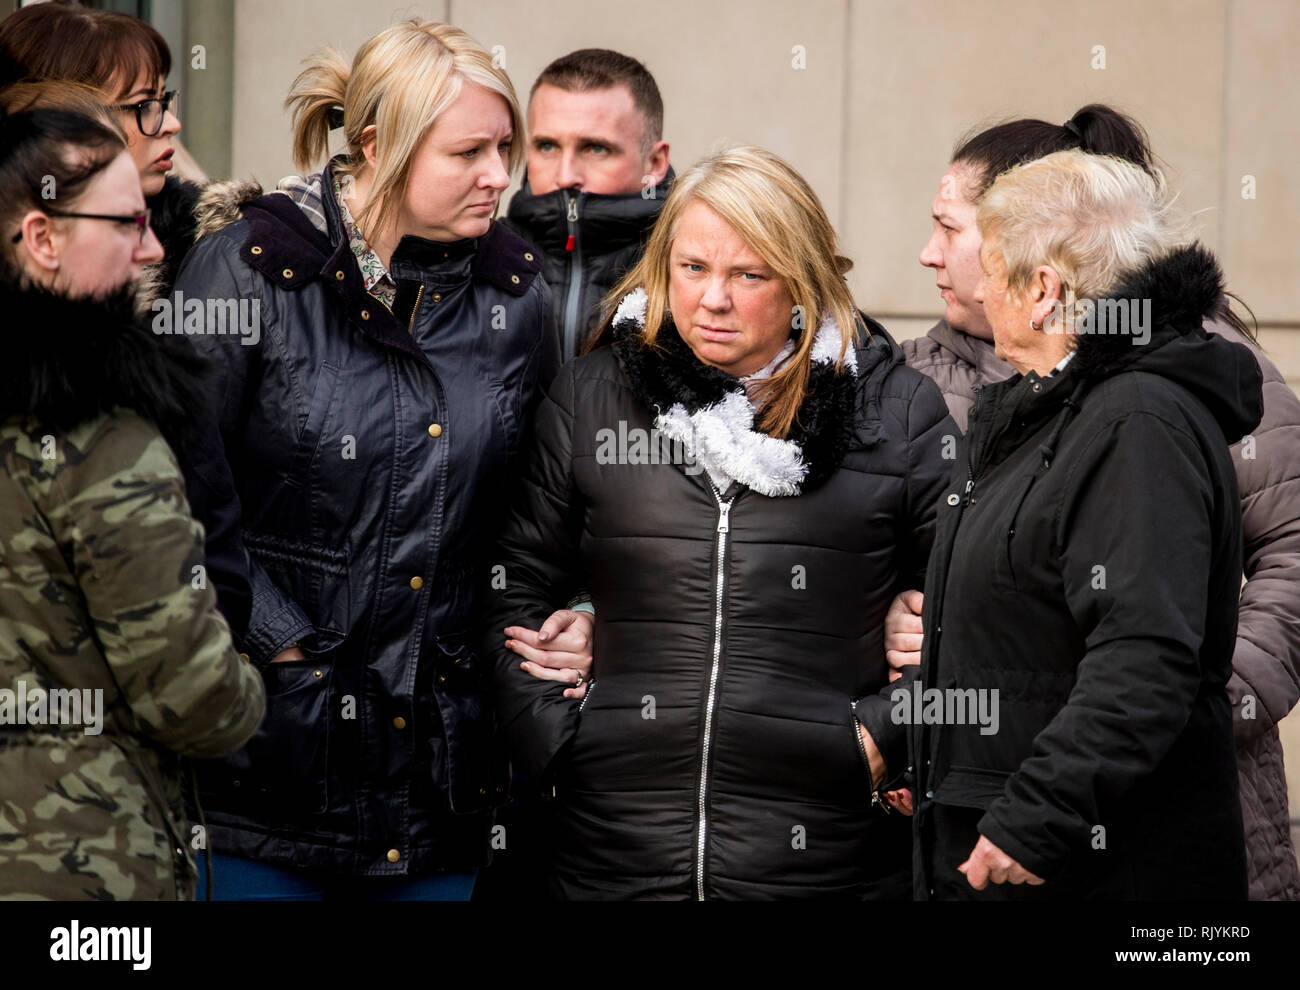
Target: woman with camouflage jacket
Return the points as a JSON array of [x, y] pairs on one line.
[[114, 662]]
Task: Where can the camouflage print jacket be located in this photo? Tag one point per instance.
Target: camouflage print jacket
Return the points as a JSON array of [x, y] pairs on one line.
[[114, 662]]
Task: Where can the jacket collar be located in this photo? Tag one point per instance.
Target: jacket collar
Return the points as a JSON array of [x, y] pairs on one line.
[[290, 251], [973, 351], [73, 360], [707, 410], [608, 223]]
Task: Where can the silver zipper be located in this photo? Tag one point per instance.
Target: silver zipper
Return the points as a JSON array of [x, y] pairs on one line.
[[866, 761], [724, 509], [574, 299], [591, 686]]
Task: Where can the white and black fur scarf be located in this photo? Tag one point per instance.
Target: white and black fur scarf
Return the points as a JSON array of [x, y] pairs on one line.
[[709, 413]]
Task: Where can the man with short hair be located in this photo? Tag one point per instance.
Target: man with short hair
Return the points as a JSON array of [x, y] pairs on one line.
[[597, 176]]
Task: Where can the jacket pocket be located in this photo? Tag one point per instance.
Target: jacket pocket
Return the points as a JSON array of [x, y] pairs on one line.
[[286, 763], [318, 416], [507, 416], [474, 770], [971, 787], [1005, 565]]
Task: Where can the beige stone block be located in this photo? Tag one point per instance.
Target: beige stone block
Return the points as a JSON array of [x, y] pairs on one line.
[[921, 72], [1260, 248]]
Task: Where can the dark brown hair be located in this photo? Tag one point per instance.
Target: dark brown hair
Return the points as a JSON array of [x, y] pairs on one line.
[[600, 68], [101, 48], [49, 146], [1096, 129]]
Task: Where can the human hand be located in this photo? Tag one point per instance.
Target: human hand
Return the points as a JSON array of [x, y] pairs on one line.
[[987, 862], [903, 632], [560, 651]]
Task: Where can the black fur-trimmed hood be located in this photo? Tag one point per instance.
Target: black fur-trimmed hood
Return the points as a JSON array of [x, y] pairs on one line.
[[707, 410], [71, 360], [1183, 289]]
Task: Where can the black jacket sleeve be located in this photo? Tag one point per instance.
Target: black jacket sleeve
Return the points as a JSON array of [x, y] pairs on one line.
[[539, 552], [932, 439], [212, 270], [1135, 580]]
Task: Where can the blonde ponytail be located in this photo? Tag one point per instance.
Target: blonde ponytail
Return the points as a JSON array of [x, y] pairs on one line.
[[317, 90]]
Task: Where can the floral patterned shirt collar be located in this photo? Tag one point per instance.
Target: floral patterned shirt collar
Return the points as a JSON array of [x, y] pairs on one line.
[[379, 283]]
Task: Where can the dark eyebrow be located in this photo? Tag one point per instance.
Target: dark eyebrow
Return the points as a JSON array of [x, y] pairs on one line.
[[582, 139]]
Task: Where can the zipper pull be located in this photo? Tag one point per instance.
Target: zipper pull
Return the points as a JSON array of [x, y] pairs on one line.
[[970, 487], [725, 508], [568, 245], [876, 801], [573, 210]]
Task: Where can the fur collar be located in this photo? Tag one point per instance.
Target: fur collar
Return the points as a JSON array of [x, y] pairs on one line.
[[1182, 289], [707, 410], [73, 360]]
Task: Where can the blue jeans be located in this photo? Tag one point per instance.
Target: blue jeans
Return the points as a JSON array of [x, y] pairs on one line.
[[238, 879]]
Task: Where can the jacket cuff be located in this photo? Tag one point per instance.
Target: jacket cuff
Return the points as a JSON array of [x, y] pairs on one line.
[[872, 712], [996, 833], [581, 602], [277, 632]]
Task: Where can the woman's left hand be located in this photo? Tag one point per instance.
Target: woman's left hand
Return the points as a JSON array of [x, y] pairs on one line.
[[560, 651], [987, 862]]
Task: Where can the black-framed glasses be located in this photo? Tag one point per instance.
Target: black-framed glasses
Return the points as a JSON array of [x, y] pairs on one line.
[[141, 220], [149, 114]]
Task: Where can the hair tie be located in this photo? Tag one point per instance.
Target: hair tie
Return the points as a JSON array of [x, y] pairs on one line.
[[335, 118], [1073, 128]]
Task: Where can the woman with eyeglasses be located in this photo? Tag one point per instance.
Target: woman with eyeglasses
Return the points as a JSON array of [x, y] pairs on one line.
[[210, 488], [114, 663], [128, 61]]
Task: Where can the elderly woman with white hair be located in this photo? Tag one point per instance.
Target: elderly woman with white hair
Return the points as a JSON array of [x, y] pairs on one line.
[[1087, 561], [742, 478]]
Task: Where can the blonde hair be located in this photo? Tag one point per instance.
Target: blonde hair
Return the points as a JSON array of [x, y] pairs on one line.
[[1089, 217], [399, 82], [774, 210]]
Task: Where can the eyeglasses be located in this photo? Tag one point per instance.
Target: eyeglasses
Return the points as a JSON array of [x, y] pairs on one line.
[[141, 220], [149, 114]]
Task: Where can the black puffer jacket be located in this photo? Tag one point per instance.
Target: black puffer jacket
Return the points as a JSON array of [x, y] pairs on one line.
[[371, 452], [1087, 565], [716, 755], [588, 242]]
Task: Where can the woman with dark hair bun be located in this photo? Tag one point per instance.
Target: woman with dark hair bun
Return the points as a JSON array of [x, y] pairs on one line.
[[958, 354], [119, 662]]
